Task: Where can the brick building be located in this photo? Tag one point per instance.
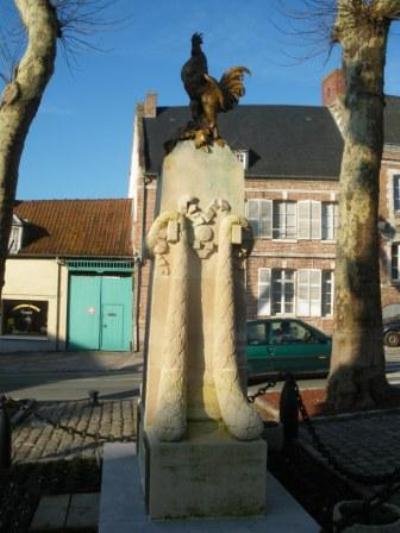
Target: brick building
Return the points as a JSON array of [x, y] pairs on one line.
[[291, 156]]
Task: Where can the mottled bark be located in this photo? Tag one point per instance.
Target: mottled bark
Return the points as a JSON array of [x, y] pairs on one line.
[[20, 102], [357, 374]]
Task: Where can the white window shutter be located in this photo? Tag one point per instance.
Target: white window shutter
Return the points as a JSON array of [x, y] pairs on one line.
[[253, 215], [303, 219], [264, 291], [315, 292], [303, 291], [315, 211], [266, 218], [335, 219]]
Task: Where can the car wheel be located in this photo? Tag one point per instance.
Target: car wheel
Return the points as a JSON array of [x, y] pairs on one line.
[[392, 338]]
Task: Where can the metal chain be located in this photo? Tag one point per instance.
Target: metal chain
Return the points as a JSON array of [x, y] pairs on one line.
[[69, 429], [367, 479], [252, 397]]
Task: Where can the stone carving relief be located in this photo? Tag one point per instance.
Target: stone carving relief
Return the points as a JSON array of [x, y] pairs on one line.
[[203, 232]]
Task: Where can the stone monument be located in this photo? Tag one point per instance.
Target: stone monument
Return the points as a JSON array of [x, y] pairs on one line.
[[200, 451]]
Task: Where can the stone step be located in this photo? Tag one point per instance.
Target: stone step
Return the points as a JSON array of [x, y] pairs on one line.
[[65, 512]]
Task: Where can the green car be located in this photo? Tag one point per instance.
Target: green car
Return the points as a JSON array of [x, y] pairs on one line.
[[286, 345]]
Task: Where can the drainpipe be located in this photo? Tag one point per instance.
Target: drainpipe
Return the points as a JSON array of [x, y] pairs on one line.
[[60, 263]]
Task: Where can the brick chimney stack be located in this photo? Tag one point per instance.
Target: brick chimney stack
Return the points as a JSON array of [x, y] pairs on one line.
[[333, 86], [150, 105]]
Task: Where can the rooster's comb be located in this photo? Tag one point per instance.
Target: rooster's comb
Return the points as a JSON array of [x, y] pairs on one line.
[[197, 38]]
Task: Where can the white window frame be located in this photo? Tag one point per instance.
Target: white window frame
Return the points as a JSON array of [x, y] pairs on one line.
[[261, 223], [330, 222], [310, 282], [309, 218], [280, 231], [332, 282], [283, 281], [264, 288], [243, 157]]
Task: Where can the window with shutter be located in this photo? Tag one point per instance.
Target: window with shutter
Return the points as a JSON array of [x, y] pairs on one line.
[[284, 220], [264, 291], [330, 220], [282, 292], [303, 219], [309, 219], [327, 293], [309, 292], [259, 215], [315, 220]]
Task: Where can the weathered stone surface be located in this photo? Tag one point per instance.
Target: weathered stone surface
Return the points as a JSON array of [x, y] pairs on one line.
[[195, 321], [208, 474]]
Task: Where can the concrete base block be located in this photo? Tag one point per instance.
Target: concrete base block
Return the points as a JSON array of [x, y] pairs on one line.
[[209, 474], [122, 505]]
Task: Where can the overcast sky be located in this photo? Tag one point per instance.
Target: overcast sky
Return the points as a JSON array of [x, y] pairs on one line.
[[80, 142]]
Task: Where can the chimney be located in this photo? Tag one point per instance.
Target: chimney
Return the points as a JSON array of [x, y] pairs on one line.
[[333, 86], [150, 105]]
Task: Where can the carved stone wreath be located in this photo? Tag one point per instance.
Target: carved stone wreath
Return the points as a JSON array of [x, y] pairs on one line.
[[202, 232]]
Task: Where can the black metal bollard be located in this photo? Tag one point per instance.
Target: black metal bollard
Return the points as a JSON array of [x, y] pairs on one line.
[[5, 436], [288, 410], [94, 397]]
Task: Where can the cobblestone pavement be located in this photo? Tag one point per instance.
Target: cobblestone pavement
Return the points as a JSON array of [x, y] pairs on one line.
[[365, 443], [36, 440]]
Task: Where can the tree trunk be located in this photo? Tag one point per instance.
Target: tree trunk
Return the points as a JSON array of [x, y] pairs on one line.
[[20, 102], [357, 374]]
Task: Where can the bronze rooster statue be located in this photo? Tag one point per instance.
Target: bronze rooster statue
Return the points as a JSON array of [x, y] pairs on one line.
[[208, 97]]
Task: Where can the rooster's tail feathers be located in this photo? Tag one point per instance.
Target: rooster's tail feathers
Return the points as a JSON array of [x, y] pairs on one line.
[[232, 87]]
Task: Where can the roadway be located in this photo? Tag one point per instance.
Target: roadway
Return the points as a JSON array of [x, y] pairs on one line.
[[62, 384]]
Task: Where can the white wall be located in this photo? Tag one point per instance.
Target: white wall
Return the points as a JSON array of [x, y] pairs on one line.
[[38, 279]]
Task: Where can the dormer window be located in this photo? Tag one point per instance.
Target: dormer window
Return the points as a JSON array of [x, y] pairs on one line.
[[242, 157], [15, 240]]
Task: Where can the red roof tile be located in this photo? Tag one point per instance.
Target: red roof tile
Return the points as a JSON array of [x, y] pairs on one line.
[[96, 228]]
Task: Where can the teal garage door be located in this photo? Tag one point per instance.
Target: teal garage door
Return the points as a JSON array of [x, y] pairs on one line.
[[100, 313]]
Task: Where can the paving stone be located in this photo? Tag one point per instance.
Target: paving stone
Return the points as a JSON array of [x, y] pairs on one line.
[[51, 513], [83, 511], [33, 440]]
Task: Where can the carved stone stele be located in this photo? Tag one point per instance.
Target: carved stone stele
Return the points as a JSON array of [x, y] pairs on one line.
[[195, 408]]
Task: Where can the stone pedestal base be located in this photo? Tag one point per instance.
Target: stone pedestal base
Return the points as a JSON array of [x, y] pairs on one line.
[[209, 474]]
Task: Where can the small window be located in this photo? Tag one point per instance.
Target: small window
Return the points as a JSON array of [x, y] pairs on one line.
[[25, 318], [243, 158], [15, 239]]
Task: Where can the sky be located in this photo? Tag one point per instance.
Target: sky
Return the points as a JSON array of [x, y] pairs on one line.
[[79, 145]]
